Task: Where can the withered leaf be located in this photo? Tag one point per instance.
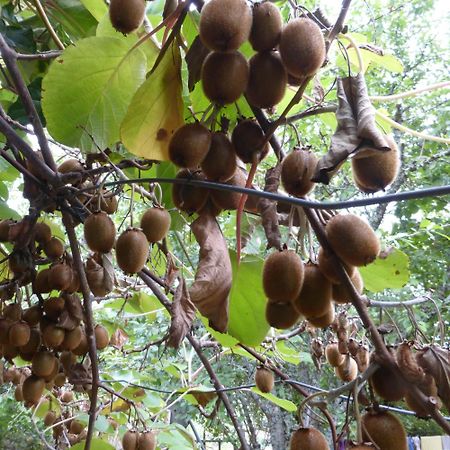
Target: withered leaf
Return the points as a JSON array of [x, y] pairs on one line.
[[109, 278], [211, 288], [194, 60], [356, 126], [118, 339], [183, 314]]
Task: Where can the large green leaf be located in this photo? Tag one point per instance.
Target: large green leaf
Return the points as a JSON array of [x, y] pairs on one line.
[[281, 402], [88, 88], [389, 271], [97, 444], [156, 110], [247, 321], [96, 7]]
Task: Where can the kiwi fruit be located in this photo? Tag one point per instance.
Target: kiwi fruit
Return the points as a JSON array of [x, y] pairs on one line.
[[224, 76], [100, 232], [155, 224], [281, 315], [302, 47], [323, 321], [32, 389], [76, 427], [107, 203], [225, 24], [49, 418], [67, 397], [70, 165], [4, 229], [308, 439], [9, 352], [352, 239], [60, 277], [101, 337], [264, 379], [49, 379], [32, 315], [333, 355], [297, 170], [83, 347], [132, 250], [385, 430], [348, 370], [340, 292], [146, 441], [41, 284], [266, 27], [130, 440], [53, 336], [374, 169], [325, 262], [429, 388], [33, 344], [229, 199], [220, 162], [19, 334], [72, 339], [188, 198], [67, 360], [283, 274], [60, 379], [126, 15], [43, 364], [314, 299], [248, 138], [13, 312], [189, 145], [53, 307], [5, 325], [42, 233], [263, 67], [54, 248], [388, 385]]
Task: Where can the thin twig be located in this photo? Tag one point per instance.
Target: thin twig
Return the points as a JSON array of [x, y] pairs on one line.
[[48, 25]]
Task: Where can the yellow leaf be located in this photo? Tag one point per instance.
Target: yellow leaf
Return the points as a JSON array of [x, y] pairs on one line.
[[156, 110], [117, 406]]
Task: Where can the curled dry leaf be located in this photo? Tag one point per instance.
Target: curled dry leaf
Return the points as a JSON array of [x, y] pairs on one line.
[[211, 288], [183, 314], [356, 126], [194, 59], [118, 339]]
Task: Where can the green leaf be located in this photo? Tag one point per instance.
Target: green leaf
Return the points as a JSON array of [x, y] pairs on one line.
[[8, 172], [388, 62], [286, 353], [389, 271], [156, 110], [281, 402], [88, 89], [247, 321], [223, 339], [97, 444], [4, 192], [7, 213], [96, 7]]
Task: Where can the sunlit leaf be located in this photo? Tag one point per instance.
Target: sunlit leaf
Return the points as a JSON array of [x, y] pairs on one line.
[[282, 403], [96, 444], [96, 7]]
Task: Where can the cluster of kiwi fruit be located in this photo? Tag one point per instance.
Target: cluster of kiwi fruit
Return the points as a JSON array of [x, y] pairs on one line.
[[134, 440]]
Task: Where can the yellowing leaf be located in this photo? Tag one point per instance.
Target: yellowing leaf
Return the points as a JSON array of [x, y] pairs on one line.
[[156, 110]]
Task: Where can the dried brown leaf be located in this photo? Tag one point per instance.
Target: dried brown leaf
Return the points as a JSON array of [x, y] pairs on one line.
[[194, 60], [211, 288], [356, 126], [183, 314], [118, 339]]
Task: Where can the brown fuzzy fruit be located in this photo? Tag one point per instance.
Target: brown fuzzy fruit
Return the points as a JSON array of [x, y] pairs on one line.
[[19, 334], [5, 325], [67, 359], [60, 379], [147, 441], [43, 364], [53, 336], [283, 274], [247, 139], [429, 388], [228, 199], [224, 76], [101, 337], [333, 355], [220, 162], [70, 165], [76, 427], [32, 389], [72, 339], [374, 169], [225, 24], [54, 248], [127, 15], [32, 315], [41, 284], [325, 262], [385, 430], [42, 233], [264, 379], [50, 418], [308, 439], [54, 306], [348, 370], [100, 232], [60, 277], [281, 315], [353, 239], [266, 66], [13, 312], [388, 385], [187, 198], [130, 440], [4, 229], [314, 299], [18, 394], [33, 344], [323, 321], [132, 250], [189, 145], [83, 346], [341, 294], [155, 224], [266, 27], [296, 172], [302, 47], [67, 397]]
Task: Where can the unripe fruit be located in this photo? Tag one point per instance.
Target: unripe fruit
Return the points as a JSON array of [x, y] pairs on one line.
[[264, 379], [127, 15], [54, 248], [189, 145], [220, 162], [155, 224], [385, 430], [333, 355], [266, 66], [302, 47], [281, 315], [132, 250], [101, 337], [283, 274], [100, 232], [296, 172], [32, 389], [187, 198], [352, 239], [248, 138], [266, 27], [340, 292], [43, 364], [60, 277], [308, 439], [146, 441], [348, 370], [19, 334], [327, 267], [42, 233], [314, 299], [130, 440], [225, 24], [224, 76]]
